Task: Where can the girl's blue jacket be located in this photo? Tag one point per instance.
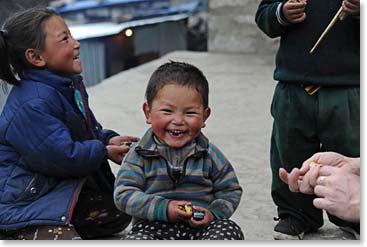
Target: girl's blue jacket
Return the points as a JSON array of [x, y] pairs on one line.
[[47, 150]]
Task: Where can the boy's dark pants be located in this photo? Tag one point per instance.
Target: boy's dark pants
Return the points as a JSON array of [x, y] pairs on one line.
[[304, 125]]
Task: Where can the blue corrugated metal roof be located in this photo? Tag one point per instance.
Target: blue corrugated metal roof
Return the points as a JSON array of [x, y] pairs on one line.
[[138, 9], [97, 30], [93, 4]]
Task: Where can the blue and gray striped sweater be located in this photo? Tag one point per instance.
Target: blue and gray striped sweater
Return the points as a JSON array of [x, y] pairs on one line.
[[143, 186]]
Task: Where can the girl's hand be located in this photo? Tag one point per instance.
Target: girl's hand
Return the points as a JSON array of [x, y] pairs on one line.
[[294, 10], [175, 213], [118, 146], [117, 153], [120, 140], [209, 217], [351, 7]]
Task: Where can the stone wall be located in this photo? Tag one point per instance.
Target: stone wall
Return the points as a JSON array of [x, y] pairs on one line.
[[232, 28]]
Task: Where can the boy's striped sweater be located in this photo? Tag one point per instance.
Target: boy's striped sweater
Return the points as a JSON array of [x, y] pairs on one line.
[[143, 187]]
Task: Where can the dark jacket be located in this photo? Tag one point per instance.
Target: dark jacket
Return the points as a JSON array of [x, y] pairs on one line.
[[47, 150], [336, 62]]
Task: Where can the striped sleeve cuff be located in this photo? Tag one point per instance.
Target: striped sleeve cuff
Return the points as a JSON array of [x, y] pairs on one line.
[[160, 210]]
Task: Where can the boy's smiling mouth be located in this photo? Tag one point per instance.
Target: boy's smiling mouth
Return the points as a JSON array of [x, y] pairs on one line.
[[177, 133]]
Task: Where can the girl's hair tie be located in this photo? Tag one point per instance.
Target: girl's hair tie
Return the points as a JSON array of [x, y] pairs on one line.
[[4, 33]]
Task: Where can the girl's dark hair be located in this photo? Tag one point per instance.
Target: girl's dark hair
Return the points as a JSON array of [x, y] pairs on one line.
[[177, 73], [21, 31]]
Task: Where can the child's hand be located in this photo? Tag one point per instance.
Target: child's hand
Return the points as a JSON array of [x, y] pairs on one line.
[[301, 180], [175, 212], [117, 153], [351, 7], [120, 140], [209, 217], [118, 146], [294, 10]]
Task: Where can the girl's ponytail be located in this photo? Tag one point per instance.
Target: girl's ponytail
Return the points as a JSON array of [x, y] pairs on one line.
[[6, 73]]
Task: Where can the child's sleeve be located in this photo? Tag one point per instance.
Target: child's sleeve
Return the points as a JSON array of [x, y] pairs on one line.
[[269, 17], [129, 195], [107, 135], [46, 146], [104, 135], [226, 188]]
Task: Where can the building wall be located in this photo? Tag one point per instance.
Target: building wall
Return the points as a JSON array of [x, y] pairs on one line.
[[232, 28]]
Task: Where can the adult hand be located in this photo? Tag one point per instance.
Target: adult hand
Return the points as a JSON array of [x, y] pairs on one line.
[[120, 140], [209, 217], [351, 7], [294, 10], [175, 212], [117, 153], [332, 159], [339, 193], [304, 179]]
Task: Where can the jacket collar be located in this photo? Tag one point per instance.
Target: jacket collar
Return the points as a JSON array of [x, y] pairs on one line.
[[62, 84], [147, 147]]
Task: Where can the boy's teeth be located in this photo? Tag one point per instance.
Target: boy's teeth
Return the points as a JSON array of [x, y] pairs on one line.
[[176, 131]]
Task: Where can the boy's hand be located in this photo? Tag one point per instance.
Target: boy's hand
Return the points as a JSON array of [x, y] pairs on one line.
[[120, 140], [351, 7], [117, 153], [294, 10], [175, 212], [209, 217]]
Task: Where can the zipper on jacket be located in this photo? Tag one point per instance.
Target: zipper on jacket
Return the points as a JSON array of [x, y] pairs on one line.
[[74, 200]]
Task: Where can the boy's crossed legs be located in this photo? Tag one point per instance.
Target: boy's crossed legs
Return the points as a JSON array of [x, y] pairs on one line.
[[156, 230]]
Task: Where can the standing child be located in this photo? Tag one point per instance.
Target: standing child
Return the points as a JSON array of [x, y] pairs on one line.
[[175, 183], [316, 102], [55, 179]]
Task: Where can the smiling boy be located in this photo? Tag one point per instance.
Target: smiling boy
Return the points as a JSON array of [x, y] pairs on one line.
[[174, 165]]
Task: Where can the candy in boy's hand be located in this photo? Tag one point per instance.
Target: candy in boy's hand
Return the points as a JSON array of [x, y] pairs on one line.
[[196, 214], [186, 208]]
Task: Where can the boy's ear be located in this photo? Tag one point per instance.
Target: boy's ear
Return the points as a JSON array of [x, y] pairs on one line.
[[34, 58], [146, 110], [207, 112]]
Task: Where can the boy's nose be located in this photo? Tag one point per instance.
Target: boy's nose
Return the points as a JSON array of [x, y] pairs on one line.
[[178, 119]]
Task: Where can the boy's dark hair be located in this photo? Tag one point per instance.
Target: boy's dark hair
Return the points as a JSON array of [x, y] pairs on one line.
[[177, 73], [21, 31]]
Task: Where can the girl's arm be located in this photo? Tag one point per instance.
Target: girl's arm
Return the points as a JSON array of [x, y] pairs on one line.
[[45, 144]]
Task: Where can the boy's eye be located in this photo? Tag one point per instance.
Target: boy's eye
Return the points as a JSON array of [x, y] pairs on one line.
[[166, 110], [191, 113]]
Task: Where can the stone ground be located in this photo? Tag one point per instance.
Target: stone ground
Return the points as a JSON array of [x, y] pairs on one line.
[[241, 89]]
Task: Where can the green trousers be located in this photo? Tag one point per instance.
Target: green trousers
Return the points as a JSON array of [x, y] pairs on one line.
[[306, 124]]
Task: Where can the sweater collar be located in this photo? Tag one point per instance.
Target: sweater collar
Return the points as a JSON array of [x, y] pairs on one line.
[[147, 147]]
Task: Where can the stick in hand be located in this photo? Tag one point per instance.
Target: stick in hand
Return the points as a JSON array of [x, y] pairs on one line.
[[340, 15]]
